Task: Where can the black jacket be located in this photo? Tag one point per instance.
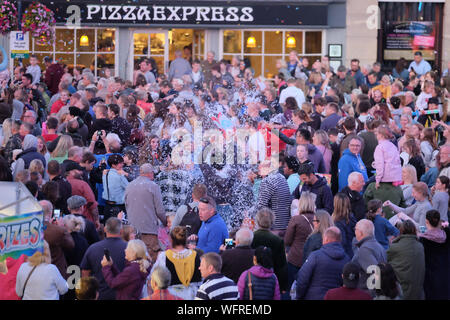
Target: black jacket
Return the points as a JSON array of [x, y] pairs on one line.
[[237, 260], [324, 199], [357, 202], [437, 268]]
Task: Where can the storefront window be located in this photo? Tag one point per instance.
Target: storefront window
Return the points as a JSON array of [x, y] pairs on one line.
[[64, 41], [313, 42], [86, 40], [86, 48], [270, 69], [273, 42], [255, 64], [264, 47], [232, 41], [66, 59], [252, 41], [293, 41], [106, 40]]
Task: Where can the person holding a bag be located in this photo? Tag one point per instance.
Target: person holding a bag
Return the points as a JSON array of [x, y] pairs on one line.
[[259, 282], [298, 230], [114, 185], [38, 279]]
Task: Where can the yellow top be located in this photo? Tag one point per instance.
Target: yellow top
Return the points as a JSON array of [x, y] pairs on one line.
[[184, 265]]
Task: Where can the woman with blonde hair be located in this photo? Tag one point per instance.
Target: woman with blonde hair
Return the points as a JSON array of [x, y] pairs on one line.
[[416, 212], [321, 221], [128, 283], [298, 230], [42, 148], [6, 132], [62, 148], [75, 226], [36, 165], [344, 219], [409, 177], [38, 279]]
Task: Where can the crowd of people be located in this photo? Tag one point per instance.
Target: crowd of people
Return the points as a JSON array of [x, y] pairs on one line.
[[342, 172]]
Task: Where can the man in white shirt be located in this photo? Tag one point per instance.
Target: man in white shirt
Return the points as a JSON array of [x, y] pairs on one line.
[[419, 65], [292, 91]]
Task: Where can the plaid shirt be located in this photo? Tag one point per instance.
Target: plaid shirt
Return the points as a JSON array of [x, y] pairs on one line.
[[162, 295], [175, 186]]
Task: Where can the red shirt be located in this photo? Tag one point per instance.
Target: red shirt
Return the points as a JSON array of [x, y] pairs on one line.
[[56, 106], [144, 105], [344, 293], [49, 137], [81, 188], [162, 295]]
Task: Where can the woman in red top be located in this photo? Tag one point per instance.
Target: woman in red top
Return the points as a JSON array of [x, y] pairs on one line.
[[61, 102]]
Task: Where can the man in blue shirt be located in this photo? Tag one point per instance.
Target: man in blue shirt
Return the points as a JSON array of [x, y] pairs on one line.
[[351, 161], [419, 65], [114, 185], [213, 231], [356, 73]]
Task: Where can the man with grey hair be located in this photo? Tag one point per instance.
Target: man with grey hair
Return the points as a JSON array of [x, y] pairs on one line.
[[74, 155], [91, 263], [367, 251], [354, 192], [144, 206], [410, 100], [207, 66], [87, 81], [179, 66], [237, 260], [58, 238], [160, 281], [264, 237]]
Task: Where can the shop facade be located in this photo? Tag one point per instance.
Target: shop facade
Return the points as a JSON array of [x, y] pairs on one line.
[[116, 34]]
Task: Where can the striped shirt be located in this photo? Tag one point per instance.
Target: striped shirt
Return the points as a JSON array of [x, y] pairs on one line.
[[274, 194], [217, 287]]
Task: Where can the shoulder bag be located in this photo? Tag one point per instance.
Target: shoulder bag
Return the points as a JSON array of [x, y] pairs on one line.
[[26, 281]]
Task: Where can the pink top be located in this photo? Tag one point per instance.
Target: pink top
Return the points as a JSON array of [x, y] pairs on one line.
[[387, 162], [163, 237]]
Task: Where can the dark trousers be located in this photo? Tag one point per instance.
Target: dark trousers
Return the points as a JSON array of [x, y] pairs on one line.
[[292, 275]]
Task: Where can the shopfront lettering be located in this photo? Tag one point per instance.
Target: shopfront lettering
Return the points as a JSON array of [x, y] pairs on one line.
[[173, 14], [129, 13], [168, 13]]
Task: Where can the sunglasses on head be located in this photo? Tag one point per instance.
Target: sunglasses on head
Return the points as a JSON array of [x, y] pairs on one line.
[[204, 200]]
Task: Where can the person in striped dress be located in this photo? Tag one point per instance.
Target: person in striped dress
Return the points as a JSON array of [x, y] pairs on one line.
[[215, 285]]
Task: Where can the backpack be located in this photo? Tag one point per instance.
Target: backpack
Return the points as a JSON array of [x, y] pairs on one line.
[[192, 220]]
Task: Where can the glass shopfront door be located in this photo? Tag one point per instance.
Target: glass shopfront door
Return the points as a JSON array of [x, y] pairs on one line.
[[152, 44]]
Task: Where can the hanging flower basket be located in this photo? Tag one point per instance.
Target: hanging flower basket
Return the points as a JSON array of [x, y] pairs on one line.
[[40, 22], [8, 16]]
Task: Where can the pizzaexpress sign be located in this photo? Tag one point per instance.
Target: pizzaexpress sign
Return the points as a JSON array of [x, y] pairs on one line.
[[169, 13], [133, 13]]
